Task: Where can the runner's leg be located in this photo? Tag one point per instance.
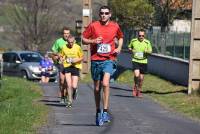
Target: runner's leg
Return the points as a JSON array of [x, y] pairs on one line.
[[74, 87], [69, 87], [97, 93], [61, 86], [106, 90], [140, 85]]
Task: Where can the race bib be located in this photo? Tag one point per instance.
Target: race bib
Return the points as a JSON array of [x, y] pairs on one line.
[[103, 48], [69, 60], [139, 55]]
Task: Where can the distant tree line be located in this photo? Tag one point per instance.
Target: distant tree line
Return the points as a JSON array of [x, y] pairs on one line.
[[146, 13], [35, 22]]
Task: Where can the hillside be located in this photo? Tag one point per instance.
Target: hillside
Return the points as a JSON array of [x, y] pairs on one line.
[[67, 13]]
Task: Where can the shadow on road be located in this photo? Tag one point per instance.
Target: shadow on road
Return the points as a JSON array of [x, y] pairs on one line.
[[120, 88], [126, 96], [184, 91], [56, 105], [49, 101], [163, 93], [70, 124]]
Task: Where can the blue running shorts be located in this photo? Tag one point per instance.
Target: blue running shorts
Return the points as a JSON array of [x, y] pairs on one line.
[[98, 68]]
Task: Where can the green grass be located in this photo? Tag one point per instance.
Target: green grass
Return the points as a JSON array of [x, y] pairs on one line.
[[20, 111], [169, 95]]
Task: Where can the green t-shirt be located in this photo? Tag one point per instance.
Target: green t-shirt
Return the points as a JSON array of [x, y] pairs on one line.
[[139, 48], [58, 45]]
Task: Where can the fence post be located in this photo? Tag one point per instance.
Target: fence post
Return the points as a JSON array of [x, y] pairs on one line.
[[184, 45], [1, 68], [174, 46]]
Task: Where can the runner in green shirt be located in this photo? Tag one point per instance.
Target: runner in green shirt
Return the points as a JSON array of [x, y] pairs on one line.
[[56, 48], [140, 48]]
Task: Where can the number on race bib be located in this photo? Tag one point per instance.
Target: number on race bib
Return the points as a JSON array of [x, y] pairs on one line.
[[139, 54], [103, 48]]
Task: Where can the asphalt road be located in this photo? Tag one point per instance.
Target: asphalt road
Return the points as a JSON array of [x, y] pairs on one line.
[[129, 115]]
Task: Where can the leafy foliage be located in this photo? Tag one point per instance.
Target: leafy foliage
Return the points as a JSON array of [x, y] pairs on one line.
[[132, 13], [35, 24]]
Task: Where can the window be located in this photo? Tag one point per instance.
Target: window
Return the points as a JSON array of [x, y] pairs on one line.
[[6, 57], [10, 57], [30, 57]]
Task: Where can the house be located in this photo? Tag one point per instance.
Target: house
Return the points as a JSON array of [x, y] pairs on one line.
[[183, 8]]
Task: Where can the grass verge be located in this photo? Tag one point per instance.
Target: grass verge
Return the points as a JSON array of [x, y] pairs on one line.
[[20, 111], [167, 94]]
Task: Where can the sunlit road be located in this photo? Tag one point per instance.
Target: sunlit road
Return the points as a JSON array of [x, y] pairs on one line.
[[129, 115]]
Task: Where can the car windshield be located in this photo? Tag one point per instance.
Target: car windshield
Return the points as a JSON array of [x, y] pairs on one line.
[[30, 57]]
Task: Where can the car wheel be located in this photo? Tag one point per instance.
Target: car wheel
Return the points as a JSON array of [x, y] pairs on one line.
[[24, 75]]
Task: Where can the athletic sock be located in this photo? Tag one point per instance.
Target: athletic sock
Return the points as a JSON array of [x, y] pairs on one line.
[[105, 110], [137, 81], [98, 110]]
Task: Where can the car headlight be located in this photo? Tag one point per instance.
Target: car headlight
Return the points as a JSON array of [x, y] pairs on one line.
[[34, 69]]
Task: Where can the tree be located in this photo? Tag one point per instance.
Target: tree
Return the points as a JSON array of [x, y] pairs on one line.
[[132, 13], [167, 11], [33, 22]]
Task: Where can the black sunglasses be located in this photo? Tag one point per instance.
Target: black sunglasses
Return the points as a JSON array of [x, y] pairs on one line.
[[102, 13], [141, 35]]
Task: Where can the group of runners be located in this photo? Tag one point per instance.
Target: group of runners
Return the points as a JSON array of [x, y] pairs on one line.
[[105, 39], [67, 56]]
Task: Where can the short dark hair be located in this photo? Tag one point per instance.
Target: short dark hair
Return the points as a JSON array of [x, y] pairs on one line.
[[65, 28], [104, 7], [141, 30]]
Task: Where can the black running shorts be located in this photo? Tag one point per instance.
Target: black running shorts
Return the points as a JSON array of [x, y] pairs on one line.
[[73, 70], [142, 67]]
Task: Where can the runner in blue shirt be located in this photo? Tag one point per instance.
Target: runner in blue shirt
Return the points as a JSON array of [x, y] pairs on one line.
[[46, 66]]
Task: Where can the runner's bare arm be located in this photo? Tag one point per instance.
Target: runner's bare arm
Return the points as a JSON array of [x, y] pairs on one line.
[[119, 48], [92, 41]]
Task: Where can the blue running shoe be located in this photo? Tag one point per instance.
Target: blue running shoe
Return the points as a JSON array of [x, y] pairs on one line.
[[99, 120], [105, 117]]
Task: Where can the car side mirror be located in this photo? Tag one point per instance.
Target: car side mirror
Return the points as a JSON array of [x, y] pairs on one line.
[[18, 62]]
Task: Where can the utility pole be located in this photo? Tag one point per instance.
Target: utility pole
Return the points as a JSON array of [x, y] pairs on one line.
[[86, 19], [194, 64]]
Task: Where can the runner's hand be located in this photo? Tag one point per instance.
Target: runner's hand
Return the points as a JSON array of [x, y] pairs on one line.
[[117, 51], [146, 51], [98, 40], [61, 59]]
